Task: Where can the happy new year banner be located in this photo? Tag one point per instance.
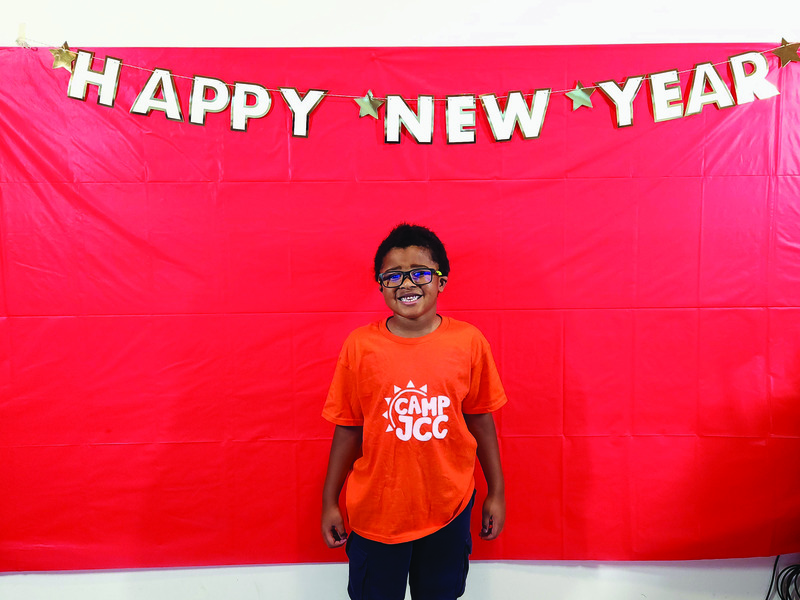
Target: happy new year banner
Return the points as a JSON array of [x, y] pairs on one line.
[[247, 101], [174, 291]]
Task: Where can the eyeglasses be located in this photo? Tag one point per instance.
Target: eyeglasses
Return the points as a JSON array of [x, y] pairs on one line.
[[393, 279]]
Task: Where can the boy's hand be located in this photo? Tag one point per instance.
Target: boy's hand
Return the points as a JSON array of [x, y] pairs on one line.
[[494, 507], [345, 449], [332, 520], [494, 516]]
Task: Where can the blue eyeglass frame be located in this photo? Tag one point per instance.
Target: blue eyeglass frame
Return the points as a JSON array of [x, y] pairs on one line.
[[407, 274]]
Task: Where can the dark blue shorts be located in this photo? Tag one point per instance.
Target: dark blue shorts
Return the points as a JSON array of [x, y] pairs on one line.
[[434, 566]]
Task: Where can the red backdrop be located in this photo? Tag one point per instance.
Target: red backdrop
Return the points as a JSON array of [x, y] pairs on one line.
[[174, 297]]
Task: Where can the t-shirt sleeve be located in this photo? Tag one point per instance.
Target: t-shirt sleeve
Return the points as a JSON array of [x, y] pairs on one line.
[[342, 406], [486, 393]]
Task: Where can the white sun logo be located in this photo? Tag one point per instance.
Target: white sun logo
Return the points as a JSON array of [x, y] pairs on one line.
[[405, 395], [410, 409]]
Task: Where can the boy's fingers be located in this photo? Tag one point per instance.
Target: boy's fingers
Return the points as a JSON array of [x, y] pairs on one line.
[[487, 529], [498, 528], [333, 543], [335, 537]]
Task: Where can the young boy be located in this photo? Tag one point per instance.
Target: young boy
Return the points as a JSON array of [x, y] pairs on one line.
[[411, 398]]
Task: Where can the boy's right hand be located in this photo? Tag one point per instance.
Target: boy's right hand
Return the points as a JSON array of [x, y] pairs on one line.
[[332, 520]]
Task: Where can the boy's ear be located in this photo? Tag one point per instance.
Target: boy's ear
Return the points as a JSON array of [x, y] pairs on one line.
[[442, 282]]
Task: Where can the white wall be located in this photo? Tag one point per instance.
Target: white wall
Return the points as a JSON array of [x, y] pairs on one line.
[[277, 23]]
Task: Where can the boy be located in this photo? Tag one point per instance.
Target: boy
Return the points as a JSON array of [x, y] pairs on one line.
[[411, 398]]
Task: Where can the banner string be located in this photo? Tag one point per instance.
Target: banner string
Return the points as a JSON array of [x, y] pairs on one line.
[[26, 42]]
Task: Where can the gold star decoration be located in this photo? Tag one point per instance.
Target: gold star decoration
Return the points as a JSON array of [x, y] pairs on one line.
[[787, 53], [580, 96], [369, 105], [63, 57]]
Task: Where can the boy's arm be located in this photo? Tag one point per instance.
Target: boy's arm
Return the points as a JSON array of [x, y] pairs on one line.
[[494, 507], [345, 449]]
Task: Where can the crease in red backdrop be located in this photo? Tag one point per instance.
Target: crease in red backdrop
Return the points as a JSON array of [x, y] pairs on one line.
[[173, 298]]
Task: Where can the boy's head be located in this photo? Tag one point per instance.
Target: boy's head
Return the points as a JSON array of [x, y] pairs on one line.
[[411, 268], [405, 235]]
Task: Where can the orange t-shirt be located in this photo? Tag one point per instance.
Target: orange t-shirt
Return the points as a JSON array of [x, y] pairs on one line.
[[409, 394]]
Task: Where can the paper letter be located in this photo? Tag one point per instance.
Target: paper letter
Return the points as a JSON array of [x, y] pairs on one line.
[[301, 108], [530, 120], [199, 105], [665, 90], [399, 114], [460, 116], [755, 85], [146, 101], [241, 111], [705, 74], [106, 80], [622, 97]]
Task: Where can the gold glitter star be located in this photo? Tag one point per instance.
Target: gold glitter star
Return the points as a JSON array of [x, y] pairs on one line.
[[63, 57], [369, 105], [580, 96], [787, 53]]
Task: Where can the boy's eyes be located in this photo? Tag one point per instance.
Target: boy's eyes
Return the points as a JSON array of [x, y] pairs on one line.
[[395, 275], [396, 278]]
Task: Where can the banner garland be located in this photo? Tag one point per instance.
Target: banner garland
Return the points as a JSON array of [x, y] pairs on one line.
[[522, 112]]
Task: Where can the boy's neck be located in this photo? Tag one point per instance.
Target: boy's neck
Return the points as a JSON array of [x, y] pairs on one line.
[[411, 328]]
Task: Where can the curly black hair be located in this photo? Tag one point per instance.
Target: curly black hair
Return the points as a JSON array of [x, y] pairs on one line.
[[405, 235]]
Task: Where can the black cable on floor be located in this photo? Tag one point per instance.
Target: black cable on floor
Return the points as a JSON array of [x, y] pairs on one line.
[[787, 583]]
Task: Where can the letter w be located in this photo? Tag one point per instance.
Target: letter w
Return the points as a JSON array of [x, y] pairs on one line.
[[517, 113]]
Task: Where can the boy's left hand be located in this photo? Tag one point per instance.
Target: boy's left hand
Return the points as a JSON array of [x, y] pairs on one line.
[[494, 516]]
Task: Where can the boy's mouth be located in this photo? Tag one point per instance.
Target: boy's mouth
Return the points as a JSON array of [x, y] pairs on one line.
[[409, 298]]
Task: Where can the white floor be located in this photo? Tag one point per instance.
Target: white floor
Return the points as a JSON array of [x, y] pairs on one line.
[[743, 579]]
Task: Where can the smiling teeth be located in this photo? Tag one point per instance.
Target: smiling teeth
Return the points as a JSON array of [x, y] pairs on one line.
[[410, 298]]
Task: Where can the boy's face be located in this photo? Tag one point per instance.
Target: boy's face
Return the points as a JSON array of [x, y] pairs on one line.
[[410, 301]]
